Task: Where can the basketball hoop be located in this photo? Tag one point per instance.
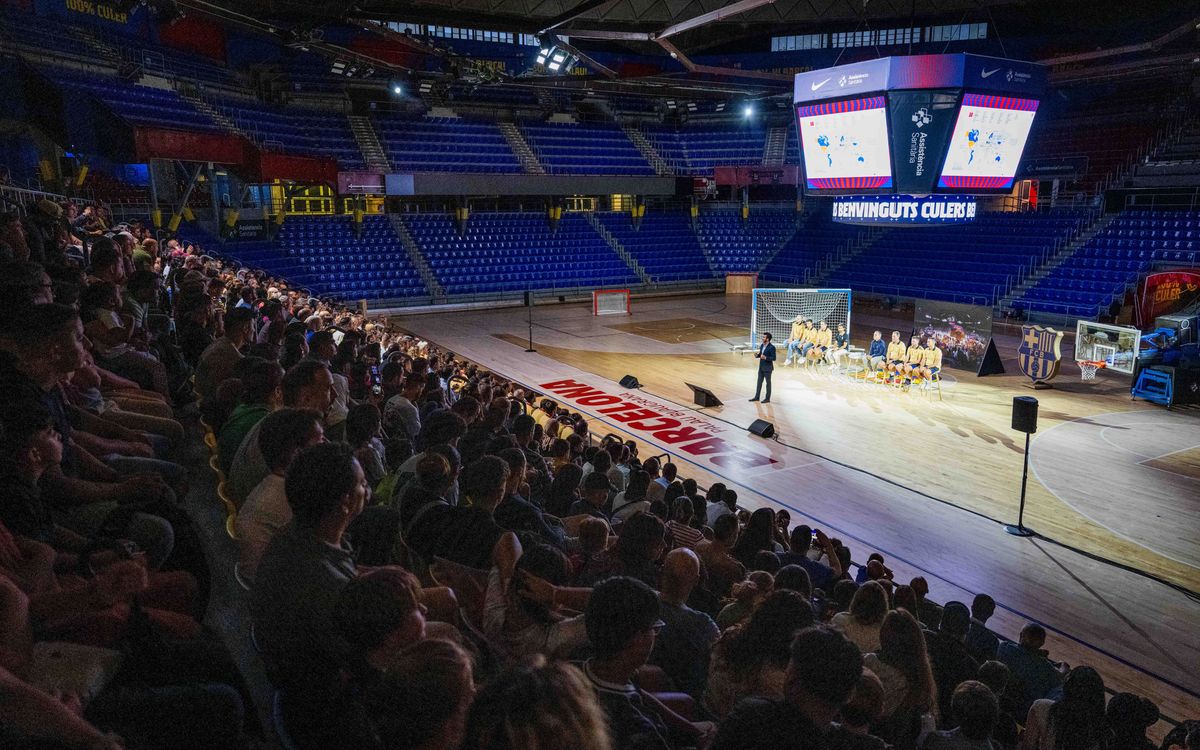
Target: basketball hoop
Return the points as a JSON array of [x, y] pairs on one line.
[[1088, 368]]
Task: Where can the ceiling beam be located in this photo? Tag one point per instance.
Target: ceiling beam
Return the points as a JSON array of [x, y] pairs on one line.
[[713, 15], [572, 14]]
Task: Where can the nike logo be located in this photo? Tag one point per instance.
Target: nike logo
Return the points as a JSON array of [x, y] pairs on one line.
[[986, 73], [816, 86]]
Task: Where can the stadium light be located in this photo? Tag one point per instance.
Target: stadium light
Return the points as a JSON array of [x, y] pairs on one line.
[[748, 112]]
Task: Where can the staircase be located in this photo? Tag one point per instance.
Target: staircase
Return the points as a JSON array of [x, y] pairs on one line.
[[1017, 290], [102, 48], [617, 247], [368, 143], [416, 257], [213, 113], [841, 256], [704, 249], [800, 219], [520, 147], [775, 149], [661, 168]]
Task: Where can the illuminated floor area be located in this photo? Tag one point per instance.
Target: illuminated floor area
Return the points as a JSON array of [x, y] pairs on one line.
[[927, 482]]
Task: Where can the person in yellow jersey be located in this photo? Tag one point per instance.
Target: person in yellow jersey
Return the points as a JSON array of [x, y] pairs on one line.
[[931, 362], [795, 339], [913, 358], [821, 342], [806, 338], [895, 353]]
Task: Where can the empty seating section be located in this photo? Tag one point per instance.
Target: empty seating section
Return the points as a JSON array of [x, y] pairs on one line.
[[665, 245], [974, 263], [445, 144], [114, 190], [1102, 270], [585, 149], [321, 253], [139, 105], [698, 149], [817, 237], [514, 251], [744, 246], [308, 132]]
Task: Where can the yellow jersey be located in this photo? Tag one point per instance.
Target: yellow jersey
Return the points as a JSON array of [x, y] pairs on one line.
[[932, 357], [797, 332], [823, 338], [916, 354], [809, 333], [895, 351]]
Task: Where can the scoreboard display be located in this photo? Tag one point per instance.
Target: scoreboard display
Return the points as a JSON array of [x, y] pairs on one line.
[[916, 125]]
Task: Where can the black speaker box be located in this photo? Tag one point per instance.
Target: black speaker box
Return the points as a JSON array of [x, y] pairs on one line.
[[1025, 411], [630, 381], [762, 428]]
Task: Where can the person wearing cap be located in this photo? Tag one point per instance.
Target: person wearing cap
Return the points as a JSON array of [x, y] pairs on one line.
[[622, 623], [594, 500], [949, 657]]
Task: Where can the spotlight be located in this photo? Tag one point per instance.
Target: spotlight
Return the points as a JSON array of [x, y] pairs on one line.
[[748, 111], [543, 54], [338, 67], [720, 107]]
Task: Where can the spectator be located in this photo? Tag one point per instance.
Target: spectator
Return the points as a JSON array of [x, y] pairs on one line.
[[400, 412], [363, 428], [298, 581], [261, 392], [517, 514], [928, 613], [751, 659], [1074, 722], [718, 504], [858, 715], [515, 617], [981, 642], [639, 546], [1034, 676], [218, 360], [746, 598], [902, 665], [323, 349], [723, 569], [995, 675], [688, 636], [822, 672], [596, 489], [633, 498], [758, 536], [468, 535], [862, 623], [308, 385], [952, 664], [423, 698], [794, 578], [1129, 716], [622, 626], [822, 574], [975, 711], [266, 511], [679, 527], [537, 706]]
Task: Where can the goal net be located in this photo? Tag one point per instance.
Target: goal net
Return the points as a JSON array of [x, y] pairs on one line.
[[610, 302], [775, 309]]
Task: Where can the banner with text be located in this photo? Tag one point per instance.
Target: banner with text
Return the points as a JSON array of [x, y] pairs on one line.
[[678, 428], [921, 123], [904, 209], [1165, 293]]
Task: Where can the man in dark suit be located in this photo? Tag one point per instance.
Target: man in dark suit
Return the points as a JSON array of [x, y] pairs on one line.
[[766, 365]]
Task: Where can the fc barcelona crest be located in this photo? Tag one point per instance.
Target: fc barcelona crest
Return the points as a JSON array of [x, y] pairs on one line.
[[1040, 354]]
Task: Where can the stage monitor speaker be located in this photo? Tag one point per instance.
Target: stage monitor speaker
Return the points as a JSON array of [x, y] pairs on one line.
[[1025, 413], [762, 428], [630, 381], [703, 396]]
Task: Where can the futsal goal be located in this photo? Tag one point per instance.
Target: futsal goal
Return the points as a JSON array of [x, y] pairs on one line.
[[610, 302], [774, 310]]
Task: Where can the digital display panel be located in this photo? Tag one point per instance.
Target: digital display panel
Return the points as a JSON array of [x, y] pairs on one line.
[[846, 145], [988, 140]]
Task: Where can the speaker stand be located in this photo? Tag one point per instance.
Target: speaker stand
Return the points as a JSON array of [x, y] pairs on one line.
[[529, 308], [1019, 529]]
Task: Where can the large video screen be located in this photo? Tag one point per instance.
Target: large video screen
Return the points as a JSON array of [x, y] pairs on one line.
[[961, 331], [846, 144], [989, 138]]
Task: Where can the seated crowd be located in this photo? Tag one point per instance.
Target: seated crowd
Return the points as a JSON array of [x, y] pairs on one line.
[[433, 557]]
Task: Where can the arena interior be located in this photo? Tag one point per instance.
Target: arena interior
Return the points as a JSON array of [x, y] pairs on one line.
[[392, 375]]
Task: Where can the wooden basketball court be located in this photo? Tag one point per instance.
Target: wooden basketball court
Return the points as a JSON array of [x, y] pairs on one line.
[[926, 482]]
